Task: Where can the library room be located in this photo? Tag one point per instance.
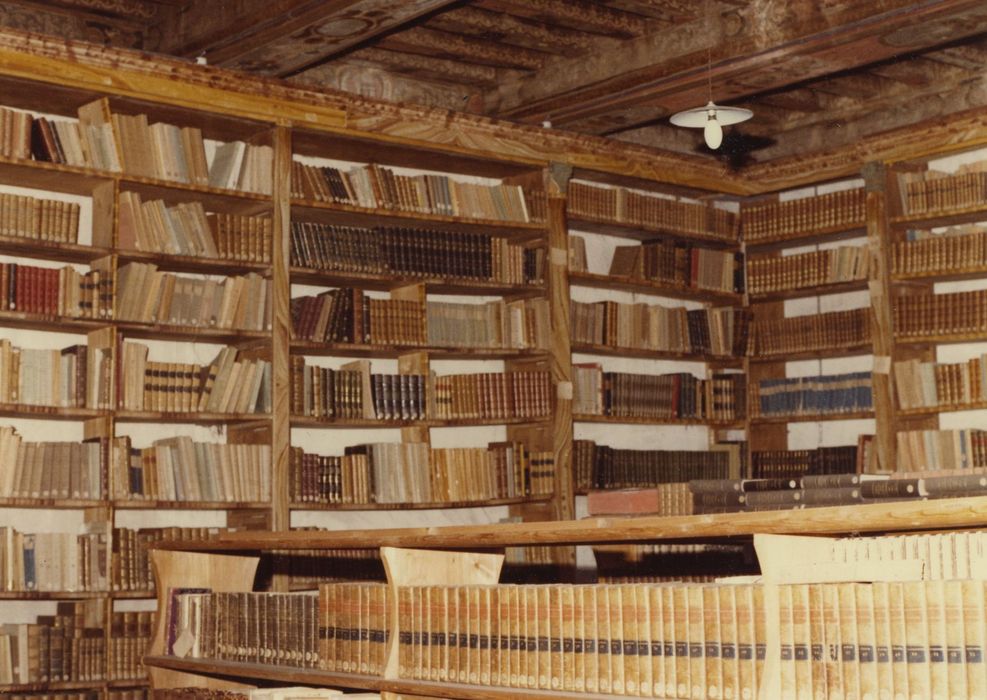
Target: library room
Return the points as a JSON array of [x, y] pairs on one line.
[[493, 350]]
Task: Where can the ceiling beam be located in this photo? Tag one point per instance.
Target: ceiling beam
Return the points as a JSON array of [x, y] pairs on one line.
[[456, 47], [583, 15], [755, 49], [509, 29], [430, 68], [283, 37]]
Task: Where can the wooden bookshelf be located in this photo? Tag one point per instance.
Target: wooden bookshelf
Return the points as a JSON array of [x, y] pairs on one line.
[[814, 291], [647, 233]]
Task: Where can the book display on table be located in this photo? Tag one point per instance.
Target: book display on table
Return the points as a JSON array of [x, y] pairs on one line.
[[131, 245]]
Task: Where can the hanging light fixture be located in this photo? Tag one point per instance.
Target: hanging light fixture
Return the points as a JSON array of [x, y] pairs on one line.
[[712, 117]]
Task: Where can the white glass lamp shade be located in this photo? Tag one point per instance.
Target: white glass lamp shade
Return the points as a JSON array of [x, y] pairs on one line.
[[711, 119]]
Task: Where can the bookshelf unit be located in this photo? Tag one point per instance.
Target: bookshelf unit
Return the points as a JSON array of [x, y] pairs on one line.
[[810, 274]]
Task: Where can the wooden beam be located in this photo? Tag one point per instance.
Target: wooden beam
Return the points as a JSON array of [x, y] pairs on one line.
[[669, 11], [430, 68], [456, 47], [282, 37], [509, 29], [576, 14], [767, 47]]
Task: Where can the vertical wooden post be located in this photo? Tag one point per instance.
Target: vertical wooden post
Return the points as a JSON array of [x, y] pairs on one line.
[[882, 331], [281, 331]]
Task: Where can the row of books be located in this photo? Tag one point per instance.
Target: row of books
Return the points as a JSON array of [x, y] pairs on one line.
[[291, 693], [51, 469], [949, 451], [671, 563], [769, 274], [956, 248], [796, 218], [665, 499], [128, 143], [181, 469], [277, 629], [930, 384], [348, 315], [794, 464], [603, 467], [414, 252], [833, 330], [678, 264], [665, 396], [39, 219], [231, 383], [130, 635], [147, 295], [932, 191], [374, 186], [55, 561], [712, 331], [493, 395], [130, 565], [814, 395], [64, 291], [923, 315], [69, 646], [417, 473], [42, 377], [187, 229], [655, 211]]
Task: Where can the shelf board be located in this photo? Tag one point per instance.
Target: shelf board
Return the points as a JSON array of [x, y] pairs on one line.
[[826, 234], [208, 334], [189, 263], [897, 516], [960, 215], [941, 408], [634, 420], [644, 286], [351, 215], [51, 503], [313, 422], [435, 285], [48, 687], [812, 418], [53, 595], [55, 177], [215, 199], [11, 410], [301, 505], [945, 339], [51, 250], [951, 275], [309, 347], [612, 350], [51, 322], [152, 504], [292, 676], [826, 353], [816, 291], [578, 223], [194, 418]]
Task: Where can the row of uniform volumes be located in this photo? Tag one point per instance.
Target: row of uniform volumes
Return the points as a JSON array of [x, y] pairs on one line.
[[929, 384], [665, 396], [60, 292], [183, 470], [354, 392], [286, 693], [374, 186], [931, 191], [767, 274], [52, 470], [418, 473], [587, 201], [815, 395], [130, 566], [130, 144], [924, 315], [927, 252], [603, 467], [811, 333], [666, 500], [348, 315], [231, 383], [673, 263], [147, 295], [898, 616], [188, 229], [69, 646], [793, 464], [130, 635], [47, 220], [773, 220], [708, 331], [414, 252]]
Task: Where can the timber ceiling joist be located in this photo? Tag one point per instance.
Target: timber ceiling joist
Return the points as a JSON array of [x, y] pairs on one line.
[[818, 74]]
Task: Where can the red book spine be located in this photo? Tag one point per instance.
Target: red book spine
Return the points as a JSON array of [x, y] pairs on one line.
[[51, 289], [20, 301]]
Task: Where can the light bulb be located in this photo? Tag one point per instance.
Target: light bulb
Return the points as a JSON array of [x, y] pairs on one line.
[[713, 132]]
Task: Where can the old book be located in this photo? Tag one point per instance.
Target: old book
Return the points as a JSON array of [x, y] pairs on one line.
[[917, 639]]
